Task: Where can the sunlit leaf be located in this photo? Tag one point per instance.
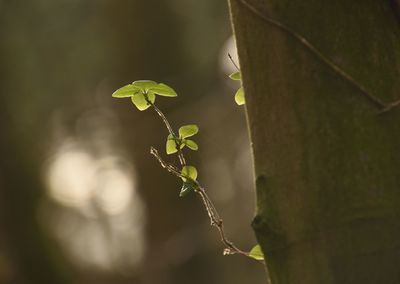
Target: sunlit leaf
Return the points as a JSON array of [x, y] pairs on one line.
[[151, 97], [256, 253], [144, 85], [191, 144], [163, 90], [187, 188], [140, 102], [189, 172], [171, 145], [236, 76], [188, 130], [239, 96], [126, 91]]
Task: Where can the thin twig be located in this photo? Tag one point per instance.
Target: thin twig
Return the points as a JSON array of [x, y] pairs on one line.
[[379, 103], [164, 119], [170, 130], [212, 212], [217, 222], [171, 168], [233, 62]]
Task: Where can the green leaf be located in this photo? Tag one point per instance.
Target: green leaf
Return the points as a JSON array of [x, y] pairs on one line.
[[163, 90], [151, 97], [187, 188], [189, 173], [188, 130], [171, 145], [256, 253], [191, 144], [126, 91], [144, 85], [239, 96], [139, 100], [236, 76]]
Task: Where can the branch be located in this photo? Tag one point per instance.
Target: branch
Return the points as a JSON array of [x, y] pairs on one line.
[[170, 130], [212, 212]]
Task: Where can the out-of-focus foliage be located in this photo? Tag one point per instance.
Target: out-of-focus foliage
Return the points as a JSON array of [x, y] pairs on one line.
[[81, 200]]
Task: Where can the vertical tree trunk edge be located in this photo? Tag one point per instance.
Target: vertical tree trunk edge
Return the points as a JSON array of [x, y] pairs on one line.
[[326, 163]]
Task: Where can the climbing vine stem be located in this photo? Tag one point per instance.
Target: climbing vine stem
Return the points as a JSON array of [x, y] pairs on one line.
[[170, 130], [215, 219], [143, 95]]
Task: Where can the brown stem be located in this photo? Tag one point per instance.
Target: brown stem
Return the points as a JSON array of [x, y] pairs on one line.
[[212, 212], [170, 130]]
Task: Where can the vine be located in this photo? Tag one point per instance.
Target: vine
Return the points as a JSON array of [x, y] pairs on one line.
[[143, 95]]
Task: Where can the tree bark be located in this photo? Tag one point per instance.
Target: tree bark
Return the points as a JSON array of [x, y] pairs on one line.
[[327, 164]]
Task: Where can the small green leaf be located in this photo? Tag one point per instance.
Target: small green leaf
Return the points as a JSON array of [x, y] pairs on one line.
[[144, 85], [256, 253], [188, 130], [191, 144], [163, 90], [236, 76], [139, 100], [239, 96], [151, 97], [189, 173], [187, 187], [125, 91], [171, 145]]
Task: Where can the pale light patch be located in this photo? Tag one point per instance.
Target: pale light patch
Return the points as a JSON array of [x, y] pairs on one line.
[[225, 63], [114, 187], [101, 220], [70, 175]]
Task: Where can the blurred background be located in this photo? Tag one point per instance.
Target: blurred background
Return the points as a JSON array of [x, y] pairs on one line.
[[81, 198]]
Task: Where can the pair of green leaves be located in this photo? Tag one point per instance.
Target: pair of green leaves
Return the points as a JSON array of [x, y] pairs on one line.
[[175, 143], [189, 176], [189, 173], [143, 93], [239, 96]]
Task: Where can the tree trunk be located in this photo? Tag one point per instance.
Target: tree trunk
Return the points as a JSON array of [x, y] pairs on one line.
[[327, 164]]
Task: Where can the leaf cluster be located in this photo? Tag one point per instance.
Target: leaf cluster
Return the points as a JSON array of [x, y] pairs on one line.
[[176, 143], [143, 93]]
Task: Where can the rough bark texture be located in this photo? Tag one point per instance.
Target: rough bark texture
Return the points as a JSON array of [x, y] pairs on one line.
[[327, 166]]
